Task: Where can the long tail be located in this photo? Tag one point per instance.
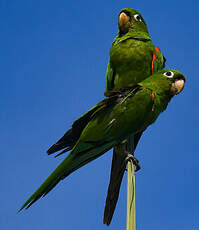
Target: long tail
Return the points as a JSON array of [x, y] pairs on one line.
[[57, 175], [71, 163], [117, 172]]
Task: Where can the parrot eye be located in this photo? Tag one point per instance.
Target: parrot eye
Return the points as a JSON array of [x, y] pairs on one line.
[[137, 17], [169, 74]]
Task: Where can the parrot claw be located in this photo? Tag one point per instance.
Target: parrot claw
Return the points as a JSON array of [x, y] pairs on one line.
[[135, 161]]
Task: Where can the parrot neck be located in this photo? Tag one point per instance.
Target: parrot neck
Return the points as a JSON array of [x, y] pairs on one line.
[[142, 36], [161, 101], [159, 92]]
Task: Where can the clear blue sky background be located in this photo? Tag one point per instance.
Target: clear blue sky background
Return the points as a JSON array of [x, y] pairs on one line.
[[53, 61]]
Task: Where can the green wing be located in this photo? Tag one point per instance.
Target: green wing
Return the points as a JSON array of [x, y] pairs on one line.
[[158, 60], [94, 140], [69, 139], [109, 77], [72, 135]]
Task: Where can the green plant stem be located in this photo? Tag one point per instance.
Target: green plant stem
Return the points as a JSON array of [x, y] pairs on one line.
[[131, 214]]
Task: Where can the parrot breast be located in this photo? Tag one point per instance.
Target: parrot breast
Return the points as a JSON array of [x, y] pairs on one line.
[[131, 61]]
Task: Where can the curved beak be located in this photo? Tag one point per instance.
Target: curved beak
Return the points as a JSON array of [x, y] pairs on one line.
[[123, 18], [124, 22], [177, 86]]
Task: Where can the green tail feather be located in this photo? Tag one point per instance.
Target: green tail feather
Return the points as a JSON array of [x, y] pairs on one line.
[[58, 174], [71, 163]]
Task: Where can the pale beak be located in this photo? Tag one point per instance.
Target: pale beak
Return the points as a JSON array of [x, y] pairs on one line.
[[124, 22], [123, 18], [177, 86]]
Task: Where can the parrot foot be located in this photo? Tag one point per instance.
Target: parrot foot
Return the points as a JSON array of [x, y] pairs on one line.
[[135, 161]]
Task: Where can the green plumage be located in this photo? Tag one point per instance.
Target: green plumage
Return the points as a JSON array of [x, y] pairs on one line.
[[133, 58], [120, 115], [131, 55]]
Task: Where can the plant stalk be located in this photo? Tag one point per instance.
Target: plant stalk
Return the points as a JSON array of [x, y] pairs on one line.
[[131, 214]]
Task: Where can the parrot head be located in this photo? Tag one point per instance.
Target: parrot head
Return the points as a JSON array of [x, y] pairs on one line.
[[177, 80], [165, 82], [131, 22]]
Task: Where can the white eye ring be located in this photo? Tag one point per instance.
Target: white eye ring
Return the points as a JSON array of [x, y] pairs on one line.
[[169, 74], [138, 18]]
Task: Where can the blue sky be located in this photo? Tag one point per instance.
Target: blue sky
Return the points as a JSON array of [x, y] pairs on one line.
[[53, 63]]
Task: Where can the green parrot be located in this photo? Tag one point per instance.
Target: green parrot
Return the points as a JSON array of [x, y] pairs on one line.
[[121, 114], [133, 58]]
